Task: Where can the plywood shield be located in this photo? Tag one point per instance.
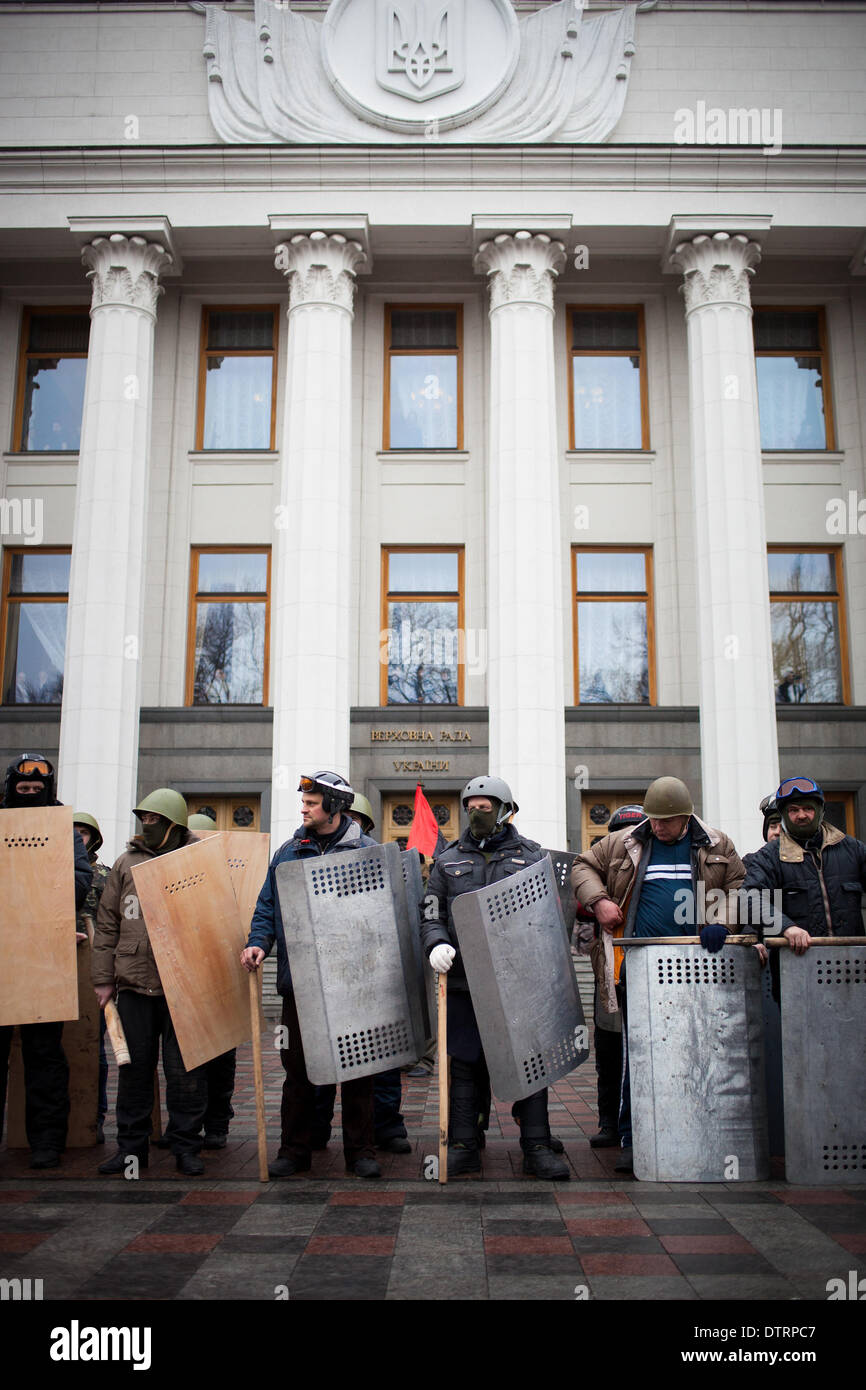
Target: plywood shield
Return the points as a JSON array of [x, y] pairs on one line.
[[195, 930], [38, 974], [247, 853]]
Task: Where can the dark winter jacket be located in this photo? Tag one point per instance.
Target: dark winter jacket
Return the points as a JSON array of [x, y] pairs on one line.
[[267, 924], [821, 884], [464, 868]]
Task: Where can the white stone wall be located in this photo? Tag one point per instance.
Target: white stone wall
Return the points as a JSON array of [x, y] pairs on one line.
[[73, 75]]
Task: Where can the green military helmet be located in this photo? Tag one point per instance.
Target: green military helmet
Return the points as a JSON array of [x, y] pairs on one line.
[[201, 824], [667, 797], [166, 803], [363, 808], [83, 818]]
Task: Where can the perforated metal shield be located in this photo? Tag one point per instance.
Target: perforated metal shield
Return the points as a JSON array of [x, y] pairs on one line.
[[773, 1057], [353, 962], [823, 1023], [563, 862], [410, 863], [521, 979], [695, 1045]]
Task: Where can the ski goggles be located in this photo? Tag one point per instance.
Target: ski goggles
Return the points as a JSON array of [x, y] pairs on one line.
[[31, 765], [799, 786], [308, 784]]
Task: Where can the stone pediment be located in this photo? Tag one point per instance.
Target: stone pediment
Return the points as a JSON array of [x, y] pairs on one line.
[[416, 71]]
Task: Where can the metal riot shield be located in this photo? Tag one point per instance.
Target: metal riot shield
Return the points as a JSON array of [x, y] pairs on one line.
[[563, 862], [695, 1049], [38, 981], [353, 962], [521, 979], [194, 926], [410, 863], [773, 1056], [823, 1023]]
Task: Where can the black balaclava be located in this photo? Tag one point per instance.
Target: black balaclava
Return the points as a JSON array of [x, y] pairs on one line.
[[483, 823], [163, 836], [803, 833], [45, 797]]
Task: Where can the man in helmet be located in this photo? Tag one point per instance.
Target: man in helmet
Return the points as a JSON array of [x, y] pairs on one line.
[[389, 1127], [646, 878], [326, 799], [489, 851], [31, 781], [88, 828], [821, 871], [607, 1022], [123, 962]]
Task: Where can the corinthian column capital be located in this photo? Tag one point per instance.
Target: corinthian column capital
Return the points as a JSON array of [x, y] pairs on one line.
[[320, 269], [125, 271], [520, 269], [716, 269]]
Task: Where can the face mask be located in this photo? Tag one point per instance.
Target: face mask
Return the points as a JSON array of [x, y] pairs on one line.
[[802, 833], [154, 834], [481, 823], [16, 798]]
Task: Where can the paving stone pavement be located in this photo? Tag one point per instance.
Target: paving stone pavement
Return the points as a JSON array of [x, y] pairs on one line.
[[329, 1237]]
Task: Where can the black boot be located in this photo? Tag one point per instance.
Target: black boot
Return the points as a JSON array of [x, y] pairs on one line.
[[540, 1162], [605, 1139], [464, 1160], [117, 1163]]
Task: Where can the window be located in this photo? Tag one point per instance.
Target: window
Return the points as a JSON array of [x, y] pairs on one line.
[[421, 650], [51, 370], [793, 390], [808, 631], [423, 377], [227, 812], [607, 378], [237, 399], [228, 627], [35, 593], [613, 627]]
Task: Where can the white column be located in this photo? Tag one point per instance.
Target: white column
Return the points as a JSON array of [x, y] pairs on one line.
[[739, 749], [312, 600], [524, 591], [99, 720]]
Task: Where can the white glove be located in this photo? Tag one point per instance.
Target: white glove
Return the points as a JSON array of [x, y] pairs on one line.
[[441, 958]]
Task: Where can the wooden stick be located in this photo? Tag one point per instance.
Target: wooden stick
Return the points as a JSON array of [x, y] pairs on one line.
[[819, 941], [114, 1029], [113, 1025], [256, 1025], [442, 1057], [679, 941]]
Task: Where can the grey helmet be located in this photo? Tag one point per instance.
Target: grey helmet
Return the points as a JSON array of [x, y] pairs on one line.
[[495, 788]]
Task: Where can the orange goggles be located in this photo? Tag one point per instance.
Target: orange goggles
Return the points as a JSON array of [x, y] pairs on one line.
[[29, 765], [307, 784]]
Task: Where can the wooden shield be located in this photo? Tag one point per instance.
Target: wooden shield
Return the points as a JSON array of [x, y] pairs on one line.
[[194, 926], [38, 969], [248, 856]]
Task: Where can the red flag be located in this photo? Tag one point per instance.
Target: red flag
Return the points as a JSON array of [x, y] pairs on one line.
[[424, 835]]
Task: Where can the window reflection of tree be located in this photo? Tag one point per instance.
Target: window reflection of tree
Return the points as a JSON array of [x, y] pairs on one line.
[[621, 632], [426, 674], [230, 654], [805, 653]]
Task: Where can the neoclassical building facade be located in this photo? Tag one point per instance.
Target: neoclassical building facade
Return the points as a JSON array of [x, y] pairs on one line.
[[423, 390]]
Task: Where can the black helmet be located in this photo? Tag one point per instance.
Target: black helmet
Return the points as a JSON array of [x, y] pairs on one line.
[[336, 793], [30, 767], [769, 809], [625, 815], [798, 789]]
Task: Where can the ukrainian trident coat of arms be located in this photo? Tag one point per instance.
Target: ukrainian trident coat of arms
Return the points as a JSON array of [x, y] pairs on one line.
[[420, 47]]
